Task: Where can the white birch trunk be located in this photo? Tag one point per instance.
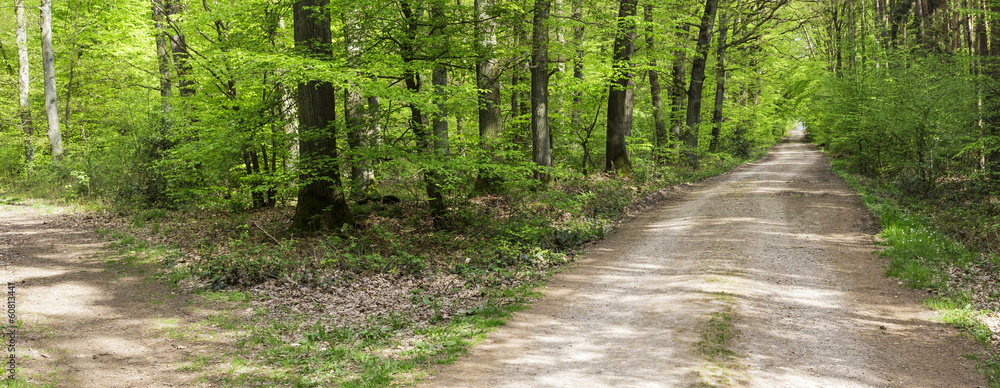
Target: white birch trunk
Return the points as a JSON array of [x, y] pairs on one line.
[[48, 67], [23, 81]]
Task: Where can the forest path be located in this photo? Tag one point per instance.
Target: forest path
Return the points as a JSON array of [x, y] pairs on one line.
[[781, 245], [93, 322]]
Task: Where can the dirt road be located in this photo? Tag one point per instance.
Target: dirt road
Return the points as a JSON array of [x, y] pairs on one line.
[[91, 323], [781, 246]]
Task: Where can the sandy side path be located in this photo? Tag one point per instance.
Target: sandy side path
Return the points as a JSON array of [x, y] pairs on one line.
[[783, 245], [88, 323]]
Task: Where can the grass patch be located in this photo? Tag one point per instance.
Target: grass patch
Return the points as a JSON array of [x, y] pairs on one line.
[[10, 201], [197, 364], [384, 351], [717, 336], [20, 383]]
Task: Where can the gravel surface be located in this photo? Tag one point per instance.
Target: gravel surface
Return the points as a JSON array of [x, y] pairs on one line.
[[782, 245]]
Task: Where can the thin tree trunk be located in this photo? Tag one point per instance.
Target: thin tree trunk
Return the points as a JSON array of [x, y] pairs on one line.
[[520, 100], [163, 56], [49, 68], [992, 95], [541, 145], [619, 104], [252, 162], [698, 81], [289, 110], [359, 136], [578, 30], [411, 78], [720, 85], [488, 82], [290, 113], [898, 20], [575, 119], [23, 81], [321, 202], [374, 125], [659, 122], [418, 120], [439, 150], [678, 90], [179, 48], [981, 48], [74, 56]]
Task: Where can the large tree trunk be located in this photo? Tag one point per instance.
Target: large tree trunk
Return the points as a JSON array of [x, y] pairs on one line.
[[619, 99], [659, 122], [321, 202], [541, 142], [488, 82], [720, 85], [698, 82], [49, 69], [23, 81]]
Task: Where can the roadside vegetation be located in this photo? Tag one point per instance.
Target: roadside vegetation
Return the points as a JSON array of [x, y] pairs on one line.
[[925, 251], [912, 121]]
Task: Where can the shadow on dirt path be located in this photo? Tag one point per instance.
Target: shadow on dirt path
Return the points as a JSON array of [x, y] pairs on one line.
[[91, 322], [782, 245]]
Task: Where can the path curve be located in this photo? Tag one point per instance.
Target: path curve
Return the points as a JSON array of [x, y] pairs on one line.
[[783, 244]]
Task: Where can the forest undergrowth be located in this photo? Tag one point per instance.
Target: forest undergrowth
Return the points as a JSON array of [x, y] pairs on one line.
[[369, 304], [946, 244]]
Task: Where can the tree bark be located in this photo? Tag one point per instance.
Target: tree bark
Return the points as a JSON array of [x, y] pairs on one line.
[[620, 101], [321, 202], [488, 82], [693, 120], [720, 85], [49, 69], [541, 144], [659, 122], [23, 81]]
